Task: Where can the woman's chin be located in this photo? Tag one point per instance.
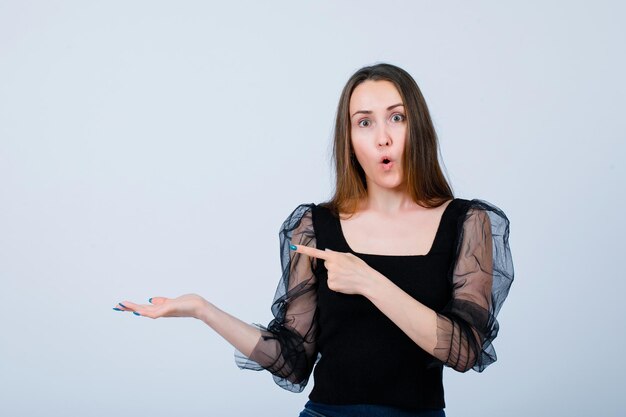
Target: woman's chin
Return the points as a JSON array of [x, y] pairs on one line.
[[388, 184]]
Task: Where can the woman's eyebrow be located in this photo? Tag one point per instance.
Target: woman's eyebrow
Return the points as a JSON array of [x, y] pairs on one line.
[[370, 112]]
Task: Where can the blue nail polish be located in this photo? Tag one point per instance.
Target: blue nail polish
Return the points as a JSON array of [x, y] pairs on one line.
[[117, 309], [136, 314], [122, 305], [150, 300], [292, 247]]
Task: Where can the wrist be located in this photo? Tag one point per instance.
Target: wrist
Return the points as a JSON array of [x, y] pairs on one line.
[[205, 312], [371, 284]]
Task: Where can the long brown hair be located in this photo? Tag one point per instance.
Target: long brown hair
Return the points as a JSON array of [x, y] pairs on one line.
[[424, 179]]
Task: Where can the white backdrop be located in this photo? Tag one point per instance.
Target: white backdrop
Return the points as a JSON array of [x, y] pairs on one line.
[[154, 148]]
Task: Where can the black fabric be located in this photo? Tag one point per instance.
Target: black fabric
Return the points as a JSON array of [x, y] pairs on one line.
[[363, 357]]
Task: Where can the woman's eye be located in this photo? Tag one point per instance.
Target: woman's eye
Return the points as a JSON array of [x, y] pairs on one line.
[[364, 123], [397, 117]]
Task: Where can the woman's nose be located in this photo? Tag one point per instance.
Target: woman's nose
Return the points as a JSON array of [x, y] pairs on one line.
[[384, 138]]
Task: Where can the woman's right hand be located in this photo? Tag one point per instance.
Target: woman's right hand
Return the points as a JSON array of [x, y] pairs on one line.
[[188, 305], [243, 336]]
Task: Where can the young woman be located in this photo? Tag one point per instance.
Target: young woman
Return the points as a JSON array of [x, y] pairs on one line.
[[386, 283]]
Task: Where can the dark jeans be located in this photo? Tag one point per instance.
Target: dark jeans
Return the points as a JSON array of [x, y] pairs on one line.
[[312, 409]]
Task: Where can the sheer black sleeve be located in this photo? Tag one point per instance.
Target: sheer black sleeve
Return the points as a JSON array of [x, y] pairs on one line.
[[481, 278], [287, 347]]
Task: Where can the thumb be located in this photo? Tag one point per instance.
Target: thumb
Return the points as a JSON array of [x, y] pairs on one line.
[[157, 300]]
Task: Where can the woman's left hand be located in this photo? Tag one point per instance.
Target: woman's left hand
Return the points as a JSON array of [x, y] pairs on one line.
[[347, 273]]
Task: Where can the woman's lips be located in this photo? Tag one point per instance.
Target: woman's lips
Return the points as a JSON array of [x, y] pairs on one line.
[[387, 166]]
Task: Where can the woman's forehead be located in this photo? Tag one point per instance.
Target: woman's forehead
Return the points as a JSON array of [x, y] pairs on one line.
[[374, 95]]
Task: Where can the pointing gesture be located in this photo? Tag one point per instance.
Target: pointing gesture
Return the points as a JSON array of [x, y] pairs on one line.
[[347, 273]]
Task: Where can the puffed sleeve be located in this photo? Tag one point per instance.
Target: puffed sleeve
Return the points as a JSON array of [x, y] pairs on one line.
[[481, 278], [287, 347]]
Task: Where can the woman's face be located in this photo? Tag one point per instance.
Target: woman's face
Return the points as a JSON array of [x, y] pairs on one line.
[[378, 128]]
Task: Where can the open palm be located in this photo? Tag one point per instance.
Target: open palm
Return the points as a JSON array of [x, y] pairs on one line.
[[187, 305]]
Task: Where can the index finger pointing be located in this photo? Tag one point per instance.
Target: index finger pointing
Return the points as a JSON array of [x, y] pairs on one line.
[[309, 251]]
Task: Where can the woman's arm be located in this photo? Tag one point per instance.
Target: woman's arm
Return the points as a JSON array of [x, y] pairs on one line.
[[349, 274], [243, 336], [455, 339], [287, 346], [412, 317]]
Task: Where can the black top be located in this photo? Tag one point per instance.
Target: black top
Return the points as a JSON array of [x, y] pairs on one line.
[[362, 356]]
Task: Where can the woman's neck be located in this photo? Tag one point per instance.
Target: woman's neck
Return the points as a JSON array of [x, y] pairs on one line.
[[387, 201]]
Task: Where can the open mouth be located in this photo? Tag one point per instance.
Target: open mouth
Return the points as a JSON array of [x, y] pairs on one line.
[[386, 164]]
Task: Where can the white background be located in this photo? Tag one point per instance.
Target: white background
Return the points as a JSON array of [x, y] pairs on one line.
[[154, 148]]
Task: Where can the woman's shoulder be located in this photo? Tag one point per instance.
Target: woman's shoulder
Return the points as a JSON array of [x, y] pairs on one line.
[[474, 203], [478, 211], [311, 216], [321, 209], [298, 217], [477, 204], [302, 209]]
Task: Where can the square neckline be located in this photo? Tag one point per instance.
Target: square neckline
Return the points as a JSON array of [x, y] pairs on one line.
[[432, 245]]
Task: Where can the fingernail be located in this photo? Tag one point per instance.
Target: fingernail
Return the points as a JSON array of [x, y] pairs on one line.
[[136, 314], [122, 305], [150, 300], [117, 309], [292, 247]]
